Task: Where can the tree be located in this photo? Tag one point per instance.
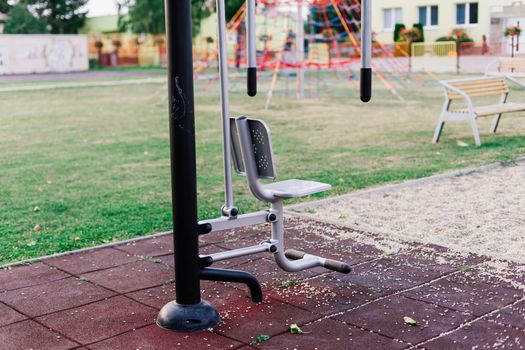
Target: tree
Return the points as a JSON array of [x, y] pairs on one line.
[[144, 16], [22, 21], [147, 16], [232, 6], [61, 16], [4, 6]]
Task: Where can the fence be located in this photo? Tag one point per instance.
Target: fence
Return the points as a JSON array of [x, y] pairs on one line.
[[128, 50], [26, 54], [448, 56]]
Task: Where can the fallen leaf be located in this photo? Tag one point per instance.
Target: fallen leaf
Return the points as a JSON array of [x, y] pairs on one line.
[[37, 228], [260, 338], [288, 283], [295, 329], [409, 321], [36, 209], [31, 243]]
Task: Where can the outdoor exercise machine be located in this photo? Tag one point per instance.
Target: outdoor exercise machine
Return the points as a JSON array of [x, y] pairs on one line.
[[246, 143]]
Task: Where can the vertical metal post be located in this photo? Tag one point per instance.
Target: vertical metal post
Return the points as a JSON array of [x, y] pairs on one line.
[[366, 50], [251, 48], [300, 50], [188, 312], [458, 54], [229, 208]]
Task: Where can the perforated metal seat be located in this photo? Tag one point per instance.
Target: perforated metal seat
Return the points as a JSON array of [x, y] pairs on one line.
[[294, 188], [259, 152]]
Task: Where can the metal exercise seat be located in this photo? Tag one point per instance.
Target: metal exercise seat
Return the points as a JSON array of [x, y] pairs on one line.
[[260, 154], [252, 156]]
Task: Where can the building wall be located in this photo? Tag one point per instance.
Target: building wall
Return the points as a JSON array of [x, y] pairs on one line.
[[446, 17]]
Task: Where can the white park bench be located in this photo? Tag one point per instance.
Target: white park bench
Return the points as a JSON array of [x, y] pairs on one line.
[[508, 67], [473, 88]]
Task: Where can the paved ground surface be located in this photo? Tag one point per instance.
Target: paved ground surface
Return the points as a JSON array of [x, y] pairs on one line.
[[109, 298]]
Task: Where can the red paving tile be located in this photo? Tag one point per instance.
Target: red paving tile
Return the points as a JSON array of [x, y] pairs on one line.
[[357, 319], [154, 338], [29, 275], [386, 317], [271, 276], [31, 335], [513, 316], [480, 335], [77, 264], [8, 315], [467, 291], [244, 320], [99, 321], [67, 293], [388, 275], [440, 259], [324, 294], [348, 251], [236, 237], [217, 293], [210, 249], [156, 246], [243, 237], [329, 334], [133, 276]]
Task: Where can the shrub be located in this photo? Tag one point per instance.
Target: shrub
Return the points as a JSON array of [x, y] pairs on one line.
[[421, 38], [457, 35], [397, 31]]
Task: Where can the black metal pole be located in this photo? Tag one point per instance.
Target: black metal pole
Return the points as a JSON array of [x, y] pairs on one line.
[[182, 151], [188, 312]]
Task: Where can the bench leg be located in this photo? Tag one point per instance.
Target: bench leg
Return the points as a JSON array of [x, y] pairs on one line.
[[441, 122], [495, 123], [439, 130], [475, 131]]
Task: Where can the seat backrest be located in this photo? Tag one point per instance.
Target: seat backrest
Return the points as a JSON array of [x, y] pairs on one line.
[[478, 87], [262, 149]]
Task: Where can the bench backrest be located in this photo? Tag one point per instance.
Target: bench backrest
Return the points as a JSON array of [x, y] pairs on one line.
[[261, 148], [478, 87], [512, 64]]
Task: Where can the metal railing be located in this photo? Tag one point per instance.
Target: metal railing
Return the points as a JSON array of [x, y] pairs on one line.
[[438, 49]]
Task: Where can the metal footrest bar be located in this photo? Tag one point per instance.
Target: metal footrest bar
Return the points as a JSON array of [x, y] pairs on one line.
[[229, 254], [330, 264], [224, 275]]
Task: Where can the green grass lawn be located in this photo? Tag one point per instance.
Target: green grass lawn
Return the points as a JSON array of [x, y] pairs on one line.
[[91, 165]]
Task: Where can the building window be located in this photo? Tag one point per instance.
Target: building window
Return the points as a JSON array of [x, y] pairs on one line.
[[391, 17], [428, 16], [467, 13]]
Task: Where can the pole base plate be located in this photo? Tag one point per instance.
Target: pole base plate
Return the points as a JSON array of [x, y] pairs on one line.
[[188, 318]]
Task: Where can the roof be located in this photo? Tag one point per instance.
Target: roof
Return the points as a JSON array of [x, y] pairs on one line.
[[101, 25]]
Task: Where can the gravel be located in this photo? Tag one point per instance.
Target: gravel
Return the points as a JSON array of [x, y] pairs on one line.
[[480, 211]]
